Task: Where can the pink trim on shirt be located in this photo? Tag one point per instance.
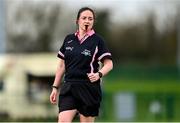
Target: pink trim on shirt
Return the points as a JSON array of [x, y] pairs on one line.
[[105, 54], [91, 64], [61, 54], [88, 34]]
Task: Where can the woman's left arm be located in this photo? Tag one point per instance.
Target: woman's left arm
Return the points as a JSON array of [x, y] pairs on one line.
[[107, 66]]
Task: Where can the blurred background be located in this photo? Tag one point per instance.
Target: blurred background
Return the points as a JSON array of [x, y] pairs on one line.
[[143, 36]]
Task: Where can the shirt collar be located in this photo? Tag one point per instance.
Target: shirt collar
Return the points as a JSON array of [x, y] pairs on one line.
[[89, 33]]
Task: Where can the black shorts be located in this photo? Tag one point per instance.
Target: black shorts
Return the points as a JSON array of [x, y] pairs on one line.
[[85, 97]]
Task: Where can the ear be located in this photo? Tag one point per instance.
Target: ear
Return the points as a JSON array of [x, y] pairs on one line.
[[76, 21]]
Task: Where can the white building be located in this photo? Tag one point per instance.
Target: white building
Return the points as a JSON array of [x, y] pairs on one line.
[[25, 85]]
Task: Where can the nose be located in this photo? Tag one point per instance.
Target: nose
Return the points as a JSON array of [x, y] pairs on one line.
[[87, 20]]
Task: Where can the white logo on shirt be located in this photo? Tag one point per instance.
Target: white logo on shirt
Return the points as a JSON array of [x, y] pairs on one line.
[[86, 52], [69, 48], [69, 41]]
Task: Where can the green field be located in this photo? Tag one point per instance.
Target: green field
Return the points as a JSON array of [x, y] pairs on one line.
[[148, 84], [143, 79]]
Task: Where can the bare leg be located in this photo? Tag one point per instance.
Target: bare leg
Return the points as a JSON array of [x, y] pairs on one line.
[[86, 119], [66, 116]]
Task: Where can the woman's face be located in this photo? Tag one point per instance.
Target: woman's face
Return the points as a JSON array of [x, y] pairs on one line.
[[86, 20]]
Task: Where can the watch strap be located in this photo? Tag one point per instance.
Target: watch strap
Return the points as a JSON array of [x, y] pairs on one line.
[[100, 74]]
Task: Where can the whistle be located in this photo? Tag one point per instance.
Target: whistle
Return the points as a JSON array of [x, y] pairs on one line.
[[86, 27]]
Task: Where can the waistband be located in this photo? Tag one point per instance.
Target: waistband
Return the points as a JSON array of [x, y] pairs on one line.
[[81, 82]]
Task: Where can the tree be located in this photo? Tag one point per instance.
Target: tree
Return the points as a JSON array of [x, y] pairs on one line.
[[32, 27]]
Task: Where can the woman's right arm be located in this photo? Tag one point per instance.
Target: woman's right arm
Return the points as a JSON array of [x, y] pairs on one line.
[[59, 74]]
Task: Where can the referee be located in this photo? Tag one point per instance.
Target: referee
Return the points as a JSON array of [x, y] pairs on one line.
[[78, 61]]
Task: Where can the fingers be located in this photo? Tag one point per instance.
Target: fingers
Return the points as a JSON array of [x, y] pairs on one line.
[[53, 97], [93, 76]]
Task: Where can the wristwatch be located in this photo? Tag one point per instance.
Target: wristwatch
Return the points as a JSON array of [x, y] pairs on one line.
[[100, 74], [56, 87]]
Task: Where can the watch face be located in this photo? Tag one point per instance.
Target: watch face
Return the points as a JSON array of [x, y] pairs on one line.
[[100, 74]]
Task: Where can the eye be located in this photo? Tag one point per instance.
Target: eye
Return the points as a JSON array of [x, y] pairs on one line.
[[90, 18], [83, 18]]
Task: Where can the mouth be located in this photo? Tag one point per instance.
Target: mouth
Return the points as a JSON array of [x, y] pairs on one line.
[[86, 27]]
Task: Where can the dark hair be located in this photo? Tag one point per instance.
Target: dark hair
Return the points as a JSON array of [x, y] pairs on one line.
[[84, 9]]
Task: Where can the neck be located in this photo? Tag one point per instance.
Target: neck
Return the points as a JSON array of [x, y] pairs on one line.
[[82, 32]]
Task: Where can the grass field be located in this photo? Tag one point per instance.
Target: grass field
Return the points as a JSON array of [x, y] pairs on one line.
[[143, 79], [148, 84]]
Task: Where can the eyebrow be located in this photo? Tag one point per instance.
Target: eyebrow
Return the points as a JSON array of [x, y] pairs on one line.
[[87, 16]]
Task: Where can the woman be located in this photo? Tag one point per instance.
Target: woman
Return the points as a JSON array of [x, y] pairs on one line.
[[78, 60]]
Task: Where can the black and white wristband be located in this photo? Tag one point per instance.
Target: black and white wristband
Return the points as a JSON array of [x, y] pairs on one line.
[[56, 87], [100, 74]]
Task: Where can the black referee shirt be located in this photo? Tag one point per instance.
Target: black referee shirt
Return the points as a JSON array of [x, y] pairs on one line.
[[82, 57]]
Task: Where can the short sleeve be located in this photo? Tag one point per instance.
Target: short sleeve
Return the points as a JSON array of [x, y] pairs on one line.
[[62, 51], [103, 52]]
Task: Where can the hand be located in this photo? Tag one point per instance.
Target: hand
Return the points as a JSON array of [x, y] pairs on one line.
[[93, 76], [53, 96]]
